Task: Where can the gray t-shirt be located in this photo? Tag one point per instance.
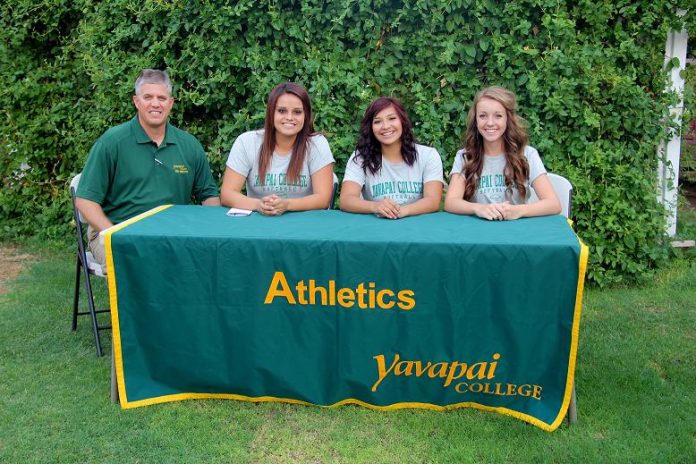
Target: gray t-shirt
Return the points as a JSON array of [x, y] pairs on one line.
[[492, 187], [399, 182], [244, 160]]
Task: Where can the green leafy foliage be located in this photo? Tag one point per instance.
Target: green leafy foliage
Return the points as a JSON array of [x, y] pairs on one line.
[[589, 76], [687, 163]]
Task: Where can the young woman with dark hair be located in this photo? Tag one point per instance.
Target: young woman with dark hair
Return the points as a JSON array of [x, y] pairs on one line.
[[286, 166], [493, 173], [388, 174]]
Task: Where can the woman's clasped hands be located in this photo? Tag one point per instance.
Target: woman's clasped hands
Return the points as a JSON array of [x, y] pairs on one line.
[[386, 208], [273, 205], [389, 209], [498, 211]]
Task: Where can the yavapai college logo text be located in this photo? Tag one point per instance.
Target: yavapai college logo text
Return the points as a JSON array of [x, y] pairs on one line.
[[281, 184], [463, 377], [391, 187], [364, 296]]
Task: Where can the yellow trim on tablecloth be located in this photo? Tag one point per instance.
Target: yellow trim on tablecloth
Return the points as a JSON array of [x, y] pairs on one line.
[[392, 407], [113, 300], [575, 334]]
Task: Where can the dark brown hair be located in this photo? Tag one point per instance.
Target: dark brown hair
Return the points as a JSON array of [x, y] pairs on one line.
[[302, 140], [368, 148]]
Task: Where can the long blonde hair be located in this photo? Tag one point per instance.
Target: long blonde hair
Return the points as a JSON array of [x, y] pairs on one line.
[[514, 140]]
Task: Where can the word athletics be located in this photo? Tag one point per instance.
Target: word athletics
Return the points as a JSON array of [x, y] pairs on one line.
[[364, 296]]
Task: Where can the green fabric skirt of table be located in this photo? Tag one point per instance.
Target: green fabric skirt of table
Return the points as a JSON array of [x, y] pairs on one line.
[[326, 308]]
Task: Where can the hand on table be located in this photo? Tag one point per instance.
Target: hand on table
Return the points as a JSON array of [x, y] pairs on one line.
[[490, 211], [386, 208], [511, 212], [273, 205], [404, 211]]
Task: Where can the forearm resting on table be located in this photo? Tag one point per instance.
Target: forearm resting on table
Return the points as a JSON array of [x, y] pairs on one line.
[[211, 201], [543, 207], [459, 206], [454, 200], [322, 189], [237, 199], [432, 194], [309, 202], [352, 202], [231, 192], [422, 206], [93, 214], [355, 204], [548, 201]]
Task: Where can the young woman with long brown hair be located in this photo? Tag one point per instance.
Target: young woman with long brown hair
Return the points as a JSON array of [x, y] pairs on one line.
[[493, 175], [285, 166]]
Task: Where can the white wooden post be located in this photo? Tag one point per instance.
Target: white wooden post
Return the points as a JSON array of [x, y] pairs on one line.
[[668, 153]]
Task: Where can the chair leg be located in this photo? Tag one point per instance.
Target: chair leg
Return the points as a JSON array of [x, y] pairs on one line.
[[572, 408], [92, 311], [114, 384], [76, 296]]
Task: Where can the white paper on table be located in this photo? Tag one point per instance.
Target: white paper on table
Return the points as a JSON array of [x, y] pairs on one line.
[[239, 212]]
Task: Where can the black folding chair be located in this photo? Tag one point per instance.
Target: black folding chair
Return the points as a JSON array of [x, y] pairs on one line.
[[85, 268], [332, 205]]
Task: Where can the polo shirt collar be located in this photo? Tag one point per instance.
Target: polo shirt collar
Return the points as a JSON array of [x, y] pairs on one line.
[[142, 137]]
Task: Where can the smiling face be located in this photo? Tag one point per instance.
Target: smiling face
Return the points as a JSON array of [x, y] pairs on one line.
[[154, 102], [386, 125], [491, 122], [289, 116]]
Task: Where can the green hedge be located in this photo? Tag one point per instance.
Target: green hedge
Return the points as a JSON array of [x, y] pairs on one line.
[[588, 74], [687, 163]]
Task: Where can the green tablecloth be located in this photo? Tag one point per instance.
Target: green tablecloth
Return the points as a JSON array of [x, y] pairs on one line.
[[327, 308]]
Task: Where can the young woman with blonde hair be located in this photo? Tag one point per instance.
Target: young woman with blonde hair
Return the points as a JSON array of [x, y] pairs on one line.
[[493, 175]]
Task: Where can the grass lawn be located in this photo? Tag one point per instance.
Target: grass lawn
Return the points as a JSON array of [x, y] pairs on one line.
[[636, 385]]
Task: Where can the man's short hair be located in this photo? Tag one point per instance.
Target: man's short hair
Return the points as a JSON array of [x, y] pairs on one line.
[[153, 76]]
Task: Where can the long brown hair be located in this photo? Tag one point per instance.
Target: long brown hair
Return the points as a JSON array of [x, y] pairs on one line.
[[514, 141], [301, 146]]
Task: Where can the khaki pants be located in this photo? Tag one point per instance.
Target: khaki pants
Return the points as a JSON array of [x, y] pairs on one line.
[[96, 247]]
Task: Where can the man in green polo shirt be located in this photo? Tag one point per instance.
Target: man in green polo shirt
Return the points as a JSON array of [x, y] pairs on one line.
[[143, 163]]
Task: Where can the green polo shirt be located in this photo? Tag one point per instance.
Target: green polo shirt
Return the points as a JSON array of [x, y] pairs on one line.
[[127, 173]]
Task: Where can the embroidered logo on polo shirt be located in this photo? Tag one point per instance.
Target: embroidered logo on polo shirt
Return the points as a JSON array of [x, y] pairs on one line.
[[180, 169]]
